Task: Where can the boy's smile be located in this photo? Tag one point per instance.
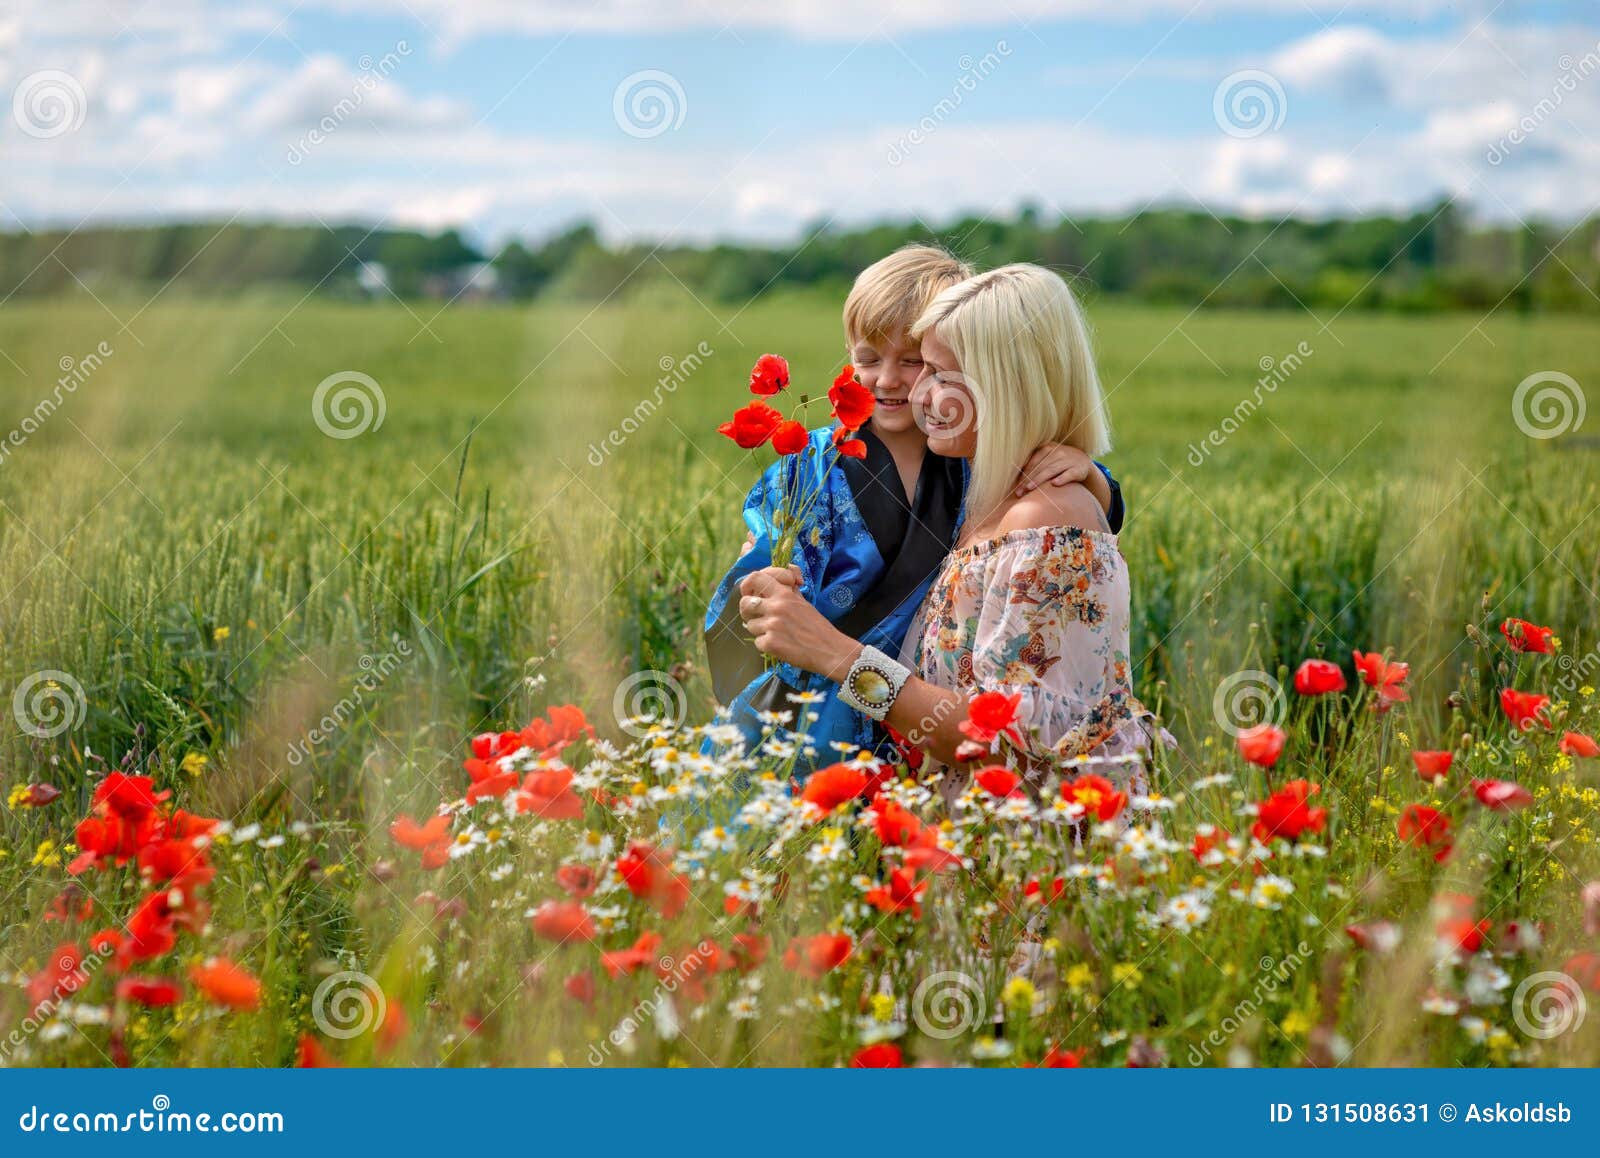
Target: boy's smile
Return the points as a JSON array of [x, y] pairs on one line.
[[889, 367]]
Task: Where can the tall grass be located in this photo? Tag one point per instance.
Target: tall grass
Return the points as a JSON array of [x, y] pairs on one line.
[[219, 575]]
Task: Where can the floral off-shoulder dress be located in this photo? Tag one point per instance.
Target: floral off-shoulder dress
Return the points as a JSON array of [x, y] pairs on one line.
[[1042, 611]]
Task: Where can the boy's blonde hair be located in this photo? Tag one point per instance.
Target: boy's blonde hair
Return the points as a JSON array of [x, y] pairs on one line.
[[889, 295], [1024, 348]]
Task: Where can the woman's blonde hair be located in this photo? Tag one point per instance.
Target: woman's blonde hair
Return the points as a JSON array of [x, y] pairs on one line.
[[892, 292], [1025, 353]]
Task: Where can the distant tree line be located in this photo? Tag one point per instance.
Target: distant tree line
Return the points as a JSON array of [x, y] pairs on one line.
[[1431, 259]]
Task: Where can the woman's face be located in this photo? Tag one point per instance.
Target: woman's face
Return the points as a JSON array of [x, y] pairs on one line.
[[944, 405], [889, 367]]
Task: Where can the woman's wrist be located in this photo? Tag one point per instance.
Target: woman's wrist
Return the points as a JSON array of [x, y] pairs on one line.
[[843, 655]]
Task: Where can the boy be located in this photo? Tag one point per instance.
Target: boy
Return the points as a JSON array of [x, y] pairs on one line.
[[881, 526]]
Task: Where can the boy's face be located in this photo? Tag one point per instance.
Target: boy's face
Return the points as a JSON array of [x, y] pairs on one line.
[[889, 366]]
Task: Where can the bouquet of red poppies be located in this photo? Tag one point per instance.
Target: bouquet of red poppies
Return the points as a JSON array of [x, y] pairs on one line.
[[758, 423]]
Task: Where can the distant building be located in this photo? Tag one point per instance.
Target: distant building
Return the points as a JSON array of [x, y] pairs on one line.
[[475, 282], [373, 277]]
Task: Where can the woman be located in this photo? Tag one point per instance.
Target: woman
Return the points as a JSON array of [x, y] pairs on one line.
[[1033, 600]]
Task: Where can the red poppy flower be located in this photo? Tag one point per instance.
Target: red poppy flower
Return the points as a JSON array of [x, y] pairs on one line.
[[1584, 968], [1207, 838], [1523, 709], [902, 892], [70, 905], [647, 871], [489, 780], [813, 956], [851, 448], [310, 1055], [1097, 796], [130, 797], [1577, 744], [1285, 813], [641, 954], [1262, 744], [1463, 933], [177, 863], [749, 951], [1427, 828], [1525, 636], [38, 795], [492, 745], [997, 781], [1432, 765], [897, 826], [432, 838], [832, 786], [1045, 892], [1317, 677], [579, 880], [852, 402], [112, 838], [152, 991], [769, 375], [883, 1055], [563, 921], [60, 978], [1056, 1058], [1377, 672], [991, 714], [150, 932], [227, 983], [580, 987], [790, 437], [751, 425], [1501, 795], [565, 725], [548, 793], [924, 853]]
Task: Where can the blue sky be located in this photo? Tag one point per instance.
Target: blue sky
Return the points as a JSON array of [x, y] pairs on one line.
[[502, 117]]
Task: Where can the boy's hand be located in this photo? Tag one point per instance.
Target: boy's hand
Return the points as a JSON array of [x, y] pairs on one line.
[[1060, 465], [749, 542]]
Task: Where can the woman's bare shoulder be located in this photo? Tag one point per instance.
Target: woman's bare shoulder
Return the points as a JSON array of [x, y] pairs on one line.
[[1073, 505]]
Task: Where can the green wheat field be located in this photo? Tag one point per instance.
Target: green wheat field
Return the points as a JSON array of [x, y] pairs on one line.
[[288, 626]]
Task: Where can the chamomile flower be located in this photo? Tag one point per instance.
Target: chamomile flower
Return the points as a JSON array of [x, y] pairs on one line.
[[1269, 891]]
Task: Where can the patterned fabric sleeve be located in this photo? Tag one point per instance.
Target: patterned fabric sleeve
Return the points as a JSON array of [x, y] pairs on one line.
[[1043, 613]]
